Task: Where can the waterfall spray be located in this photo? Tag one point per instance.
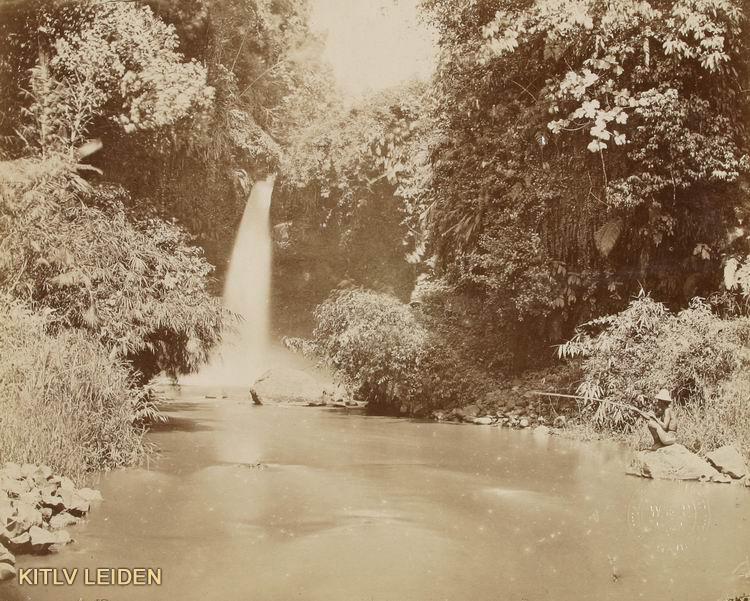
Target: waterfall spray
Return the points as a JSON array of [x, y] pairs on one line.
[[247, 290]]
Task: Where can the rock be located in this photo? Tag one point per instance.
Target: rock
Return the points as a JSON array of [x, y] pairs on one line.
[[482, 421], [40, 537], [7, 571], [438, 416], [20, 543], [53, 502], [721, 478], [89, 494], [337, 394], [541, 430], [28, 470], [541, 421], [42, 473], [728, 460], [41, 540], [74, 502], [559, 421], [63, 483], [6, 556], [12, 470], [63, 520], [32, 497], [7, 511], [674, 462], [26, 515], [523, 422], [467, 412], [287, 385], [13, 487]]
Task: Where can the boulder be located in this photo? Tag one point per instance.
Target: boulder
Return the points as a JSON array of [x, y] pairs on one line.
[[89, 494], [13, 487], [74, 502], [467, 412], [728, 460], [26, 516], [42, 540], [42, 473], [541, 430], [674, 462], [523, 422], [63, 483], [12, 470], [721, 478], [482, 421], [62, 520], [28, 470], [7, 511], [53, 502], [287, 385], [7, 571], [19, 543], [559, 421], [6, 556]]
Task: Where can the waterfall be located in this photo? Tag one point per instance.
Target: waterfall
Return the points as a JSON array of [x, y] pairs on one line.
[[247, 289]]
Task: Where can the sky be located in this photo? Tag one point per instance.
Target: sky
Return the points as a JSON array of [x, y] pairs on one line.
[[374, 44]]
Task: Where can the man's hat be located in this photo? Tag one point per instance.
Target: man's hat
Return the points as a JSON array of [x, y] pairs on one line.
[[663, 395]]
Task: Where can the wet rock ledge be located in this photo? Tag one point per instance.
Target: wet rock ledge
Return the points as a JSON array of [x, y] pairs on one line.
[[36, 506]]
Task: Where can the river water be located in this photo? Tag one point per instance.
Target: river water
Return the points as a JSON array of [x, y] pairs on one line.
[[347, 507]]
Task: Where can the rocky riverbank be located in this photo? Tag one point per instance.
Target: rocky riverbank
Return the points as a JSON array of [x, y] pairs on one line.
[[36, 506], [515, 406]]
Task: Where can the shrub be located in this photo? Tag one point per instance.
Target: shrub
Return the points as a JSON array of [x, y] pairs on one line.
[[63, 400], [134, 283], [702, 358], [382, 349]]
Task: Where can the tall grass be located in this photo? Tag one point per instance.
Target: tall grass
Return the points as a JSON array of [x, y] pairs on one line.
[[724, 419], [702, 357], [63, 401]]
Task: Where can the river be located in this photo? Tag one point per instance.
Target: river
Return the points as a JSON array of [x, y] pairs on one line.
[[348, 507]]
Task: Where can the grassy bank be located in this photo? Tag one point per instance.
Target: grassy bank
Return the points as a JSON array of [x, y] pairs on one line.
[[63, 401]]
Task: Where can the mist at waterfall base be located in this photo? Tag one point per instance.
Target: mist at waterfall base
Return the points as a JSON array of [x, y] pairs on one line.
[[244, 352]]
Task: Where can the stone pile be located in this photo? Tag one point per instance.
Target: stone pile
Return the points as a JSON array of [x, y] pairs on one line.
[[36, 506], [512, 418]]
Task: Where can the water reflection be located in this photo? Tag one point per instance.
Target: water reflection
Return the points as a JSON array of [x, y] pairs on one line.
[[276, 503]]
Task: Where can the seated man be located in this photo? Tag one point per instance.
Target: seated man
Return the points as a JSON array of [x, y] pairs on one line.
[[662, 424]]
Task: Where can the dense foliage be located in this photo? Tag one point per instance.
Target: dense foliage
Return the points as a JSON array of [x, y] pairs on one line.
[[340, 201], [585, 149], [702, 358], [134, 283], [113, 291], [386, 354], [64, 402]]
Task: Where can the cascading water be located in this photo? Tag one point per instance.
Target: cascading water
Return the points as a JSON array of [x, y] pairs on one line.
[[243, 354]]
